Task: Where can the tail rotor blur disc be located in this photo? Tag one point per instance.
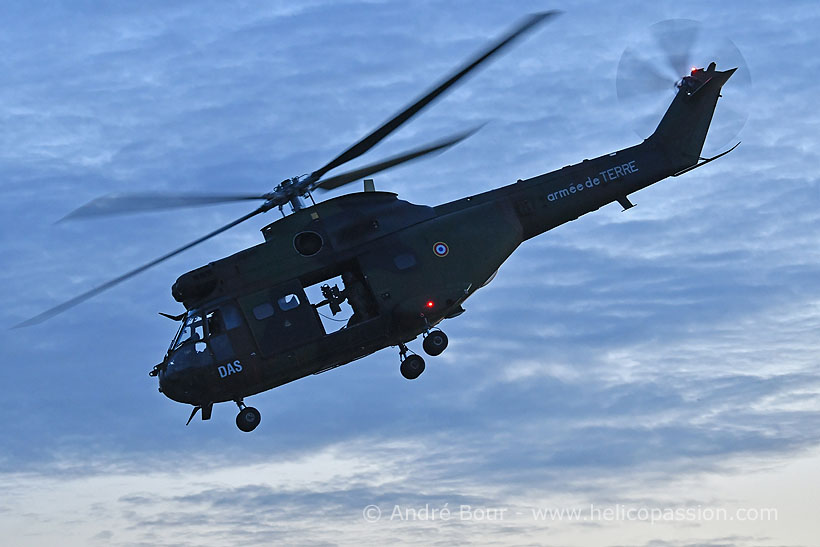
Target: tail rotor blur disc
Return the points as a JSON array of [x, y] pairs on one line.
[[660, 56]]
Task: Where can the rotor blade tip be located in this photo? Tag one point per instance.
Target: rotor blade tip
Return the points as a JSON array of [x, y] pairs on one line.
[[472, 131], [545, 13], [539, 17], [26, 323]]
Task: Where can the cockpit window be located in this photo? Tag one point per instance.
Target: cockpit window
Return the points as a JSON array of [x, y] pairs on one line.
[[192, 330]]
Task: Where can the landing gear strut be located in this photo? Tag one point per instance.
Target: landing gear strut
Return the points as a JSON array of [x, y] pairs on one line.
[[411, 365], [248, 417]]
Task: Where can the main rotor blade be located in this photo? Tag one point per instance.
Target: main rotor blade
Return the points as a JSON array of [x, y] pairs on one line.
[[350, 176], [393, 123], [116, 281], [118, 204]]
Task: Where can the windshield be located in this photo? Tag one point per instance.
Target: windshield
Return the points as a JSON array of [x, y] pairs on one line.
[[192, 330]]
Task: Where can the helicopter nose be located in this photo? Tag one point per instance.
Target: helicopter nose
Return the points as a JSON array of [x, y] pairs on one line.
[[179, 381], [181, 387], [171, 385]]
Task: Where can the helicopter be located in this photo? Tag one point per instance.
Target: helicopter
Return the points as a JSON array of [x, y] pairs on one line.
[[394, 270]]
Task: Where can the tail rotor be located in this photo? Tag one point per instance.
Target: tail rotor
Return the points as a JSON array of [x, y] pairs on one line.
[[652, 67]]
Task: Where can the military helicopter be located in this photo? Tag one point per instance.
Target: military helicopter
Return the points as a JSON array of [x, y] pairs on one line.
[[253, 320]]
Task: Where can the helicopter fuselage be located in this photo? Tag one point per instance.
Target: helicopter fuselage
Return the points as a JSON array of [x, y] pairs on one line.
[[405, 268], [254, 319]]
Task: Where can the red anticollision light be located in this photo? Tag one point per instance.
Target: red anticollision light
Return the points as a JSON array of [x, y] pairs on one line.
[[430, 304]]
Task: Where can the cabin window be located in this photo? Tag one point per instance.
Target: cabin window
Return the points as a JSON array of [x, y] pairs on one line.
[[214, 323], [263, 311], [231, 317], [288, 302], [308, 243], [404, 261], [279, 319]]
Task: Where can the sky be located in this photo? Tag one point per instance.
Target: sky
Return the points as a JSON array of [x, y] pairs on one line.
[[624, 366]]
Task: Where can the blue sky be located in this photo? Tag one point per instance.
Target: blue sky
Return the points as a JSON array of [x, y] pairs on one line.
[[661, 358]]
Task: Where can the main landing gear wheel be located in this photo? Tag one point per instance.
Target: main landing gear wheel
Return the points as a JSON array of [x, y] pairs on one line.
[[412, 367], [435, 343], [248, 418]]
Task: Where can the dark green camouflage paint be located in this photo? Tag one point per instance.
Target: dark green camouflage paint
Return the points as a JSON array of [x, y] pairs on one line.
[[367, 232]]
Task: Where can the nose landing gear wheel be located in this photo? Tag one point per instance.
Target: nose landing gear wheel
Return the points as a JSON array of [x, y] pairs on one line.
[[412, 367], [247, 419], [435, 343]]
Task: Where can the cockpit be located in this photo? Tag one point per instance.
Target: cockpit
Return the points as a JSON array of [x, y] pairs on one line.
[[190, 347], [202, 338], [195, 329], [203, 341], [200, 328]]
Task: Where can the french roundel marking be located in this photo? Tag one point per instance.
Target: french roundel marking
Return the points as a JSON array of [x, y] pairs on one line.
[[440, 248]]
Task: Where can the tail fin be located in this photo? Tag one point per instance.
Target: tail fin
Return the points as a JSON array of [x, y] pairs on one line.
[[683, 129]]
